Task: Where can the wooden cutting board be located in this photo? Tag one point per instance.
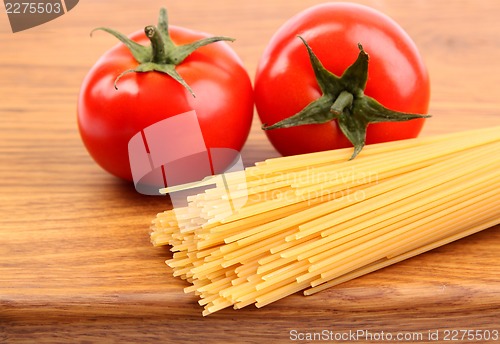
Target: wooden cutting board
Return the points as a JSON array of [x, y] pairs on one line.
[[76, 263]]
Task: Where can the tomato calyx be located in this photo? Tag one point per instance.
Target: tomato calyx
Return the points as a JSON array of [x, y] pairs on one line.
[[343, 99], [163, 55]]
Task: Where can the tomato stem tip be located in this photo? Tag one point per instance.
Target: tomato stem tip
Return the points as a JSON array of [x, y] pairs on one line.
[[343, 101]]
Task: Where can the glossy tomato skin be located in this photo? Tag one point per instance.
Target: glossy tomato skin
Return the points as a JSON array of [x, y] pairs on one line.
[[109, 118], [285, 82]]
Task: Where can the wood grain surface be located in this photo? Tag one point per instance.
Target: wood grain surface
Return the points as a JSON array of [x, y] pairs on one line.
[[76, 264]]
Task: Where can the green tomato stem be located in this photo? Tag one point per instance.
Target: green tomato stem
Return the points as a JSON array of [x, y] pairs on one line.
[[343, 99], [163, 55]]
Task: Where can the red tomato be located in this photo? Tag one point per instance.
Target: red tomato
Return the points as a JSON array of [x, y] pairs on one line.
[[109, 117], [285, 82]]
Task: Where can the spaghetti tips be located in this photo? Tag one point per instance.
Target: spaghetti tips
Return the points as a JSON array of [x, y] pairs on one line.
[[313, 221]]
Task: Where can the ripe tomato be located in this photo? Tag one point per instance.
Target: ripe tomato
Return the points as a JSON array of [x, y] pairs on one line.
[[285, 82], [108, 118]]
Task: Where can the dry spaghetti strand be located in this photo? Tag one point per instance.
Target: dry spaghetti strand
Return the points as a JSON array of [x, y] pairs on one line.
[[313, 221]]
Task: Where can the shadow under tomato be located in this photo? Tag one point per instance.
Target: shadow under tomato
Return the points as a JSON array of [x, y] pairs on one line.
[[126, 192]]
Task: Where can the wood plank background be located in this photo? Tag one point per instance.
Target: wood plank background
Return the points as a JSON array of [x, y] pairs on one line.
[[75, 259]]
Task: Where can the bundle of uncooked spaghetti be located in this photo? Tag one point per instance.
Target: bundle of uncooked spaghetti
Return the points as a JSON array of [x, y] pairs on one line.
[[312, 221]]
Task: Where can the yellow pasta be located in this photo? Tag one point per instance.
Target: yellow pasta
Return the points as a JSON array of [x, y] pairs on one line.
[[310, 222]]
